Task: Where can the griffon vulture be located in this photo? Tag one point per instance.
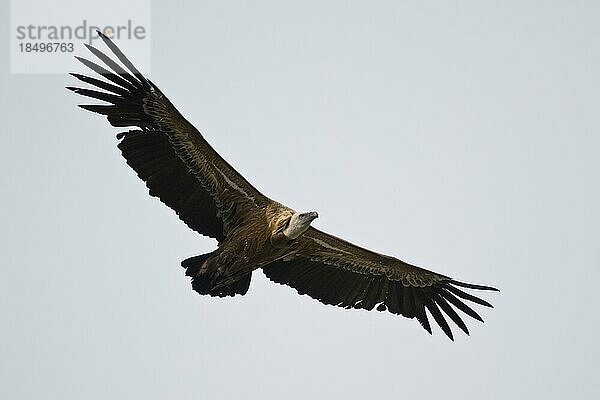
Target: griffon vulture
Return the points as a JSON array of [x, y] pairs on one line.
[[254, 232]]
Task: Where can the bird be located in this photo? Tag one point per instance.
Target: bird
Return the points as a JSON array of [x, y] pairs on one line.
[[253, 231]]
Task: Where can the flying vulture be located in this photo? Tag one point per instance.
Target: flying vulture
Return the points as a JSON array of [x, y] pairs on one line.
[[254, 232]]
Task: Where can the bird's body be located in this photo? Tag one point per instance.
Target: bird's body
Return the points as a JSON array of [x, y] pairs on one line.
[[253, 231], [263, 242]]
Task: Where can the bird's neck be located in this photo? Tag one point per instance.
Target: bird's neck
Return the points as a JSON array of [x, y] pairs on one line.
[[295, 228]]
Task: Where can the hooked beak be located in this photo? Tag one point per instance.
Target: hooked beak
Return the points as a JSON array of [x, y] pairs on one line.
[[311, 215]]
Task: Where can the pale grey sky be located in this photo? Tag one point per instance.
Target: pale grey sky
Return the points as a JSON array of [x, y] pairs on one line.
[[459, 136]]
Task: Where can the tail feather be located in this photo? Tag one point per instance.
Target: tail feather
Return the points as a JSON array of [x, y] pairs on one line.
[[212, 282], [192, 265]]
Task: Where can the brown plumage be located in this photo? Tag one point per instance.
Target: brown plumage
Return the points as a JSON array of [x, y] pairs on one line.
[[253, 231]]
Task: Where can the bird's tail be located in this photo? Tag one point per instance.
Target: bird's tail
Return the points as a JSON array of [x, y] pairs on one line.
[[211, 280]]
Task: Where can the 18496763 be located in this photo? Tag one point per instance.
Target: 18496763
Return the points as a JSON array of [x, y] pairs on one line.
[[46, 47]]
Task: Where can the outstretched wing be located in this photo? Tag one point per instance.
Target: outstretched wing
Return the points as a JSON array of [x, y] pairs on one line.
[[167, 152], [340, 273]]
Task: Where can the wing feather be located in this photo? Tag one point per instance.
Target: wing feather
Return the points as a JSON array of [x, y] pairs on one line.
[[166, 151], [460, 305], [337, 272], [467, 296], [421, 315], [438, 316], [450, 312]]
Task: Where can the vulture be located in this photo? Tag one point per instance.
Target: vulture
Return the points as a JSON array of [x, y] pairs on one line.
[[254, 232]]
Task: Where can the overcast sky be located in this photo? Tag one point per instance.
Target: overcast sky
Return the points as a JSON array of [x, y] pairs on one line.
[[460, 137]]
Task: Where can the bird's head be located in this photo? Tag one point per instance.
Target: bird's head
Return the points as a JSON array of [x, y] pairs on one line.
[[299, 223]]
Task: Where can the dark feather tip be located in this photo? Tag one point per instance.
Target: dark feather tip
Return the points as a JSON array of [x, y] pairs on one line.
[[474, 286]]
